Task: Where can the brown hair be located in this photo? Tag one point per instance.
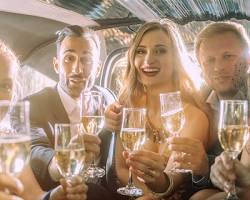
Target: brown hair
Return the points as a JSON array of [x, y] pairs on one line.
[[132, 88], [78, 31], [217, 28]]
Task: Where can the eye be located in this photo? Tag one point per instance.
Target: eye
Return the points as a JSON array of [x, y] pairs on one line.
[[228, 56], [209, 61], [69, 58], [140, 51], [86, 61], [159, 51]]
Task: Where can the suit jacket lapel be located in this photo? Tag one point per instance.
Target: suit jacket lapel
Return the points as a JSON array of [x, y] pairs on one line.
[[57, 109]]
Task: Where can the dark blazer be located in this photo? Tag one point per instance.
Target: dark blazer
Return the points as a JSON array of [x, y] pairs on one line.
[[46, 109]]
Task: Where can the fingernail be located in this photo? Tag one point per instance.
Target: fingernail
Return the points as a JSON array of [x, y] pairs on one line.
[[16, 198], [19, 185]]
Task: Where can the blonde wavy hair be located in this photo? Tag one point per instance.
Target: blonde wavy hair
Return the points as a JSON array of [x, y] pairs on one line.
[[133, 88], [7, 53]]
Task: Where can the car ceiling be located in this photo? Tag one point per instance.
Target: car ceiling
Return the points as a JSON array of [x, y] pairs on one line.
[[29, 28]]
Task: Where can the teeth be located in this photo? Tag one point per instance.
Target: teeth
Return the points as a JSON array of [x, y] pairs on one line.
[[150, 70]]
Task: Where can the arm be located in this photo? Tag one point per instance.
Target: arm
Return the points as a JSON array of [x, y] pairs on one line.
[[41, 160], [30, 184]]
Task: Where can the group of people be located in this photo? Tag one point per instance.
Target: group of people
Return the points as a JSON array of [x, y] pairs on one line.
[[157, 63]]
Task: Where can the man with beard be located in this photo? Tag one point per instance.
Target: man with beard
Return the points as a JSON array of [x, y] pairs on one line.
[[77, 64], [222, 50]]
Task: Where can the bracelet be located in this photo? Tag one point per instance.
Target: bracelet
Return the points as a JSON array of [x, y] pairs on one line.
[[169, 189], [200, 181]]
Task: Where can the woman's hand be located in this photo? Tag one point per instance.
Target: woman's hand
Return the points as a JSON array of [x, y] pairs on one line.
[[192, 155], [10, 185], [75, 189], [113, 117], [149, 167]]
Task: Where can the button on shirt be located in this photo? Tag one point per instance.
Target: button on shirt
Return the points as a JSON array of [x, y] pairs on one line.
[[72, 106]]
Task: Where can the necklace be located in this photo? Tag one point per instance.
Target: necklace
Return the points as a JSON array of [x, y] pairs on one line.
[[155, 134]]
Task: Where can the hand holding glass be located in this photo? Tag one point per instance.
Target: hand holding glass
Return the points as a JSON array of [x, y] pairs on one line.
[[14, 136], [233, 130], [92, 115], [132, 136], [172, 116], [69, 148]]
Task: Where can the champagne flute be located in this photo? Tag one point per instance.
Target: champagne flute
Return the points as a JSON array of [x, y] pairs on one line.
[[14, 136], [69, 149], [132, 136], [233, 131], [92, 116], [172, 116]]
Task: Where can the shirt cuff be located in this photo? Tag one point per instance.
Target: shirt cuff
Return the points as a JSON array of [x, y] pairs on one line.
[[47, 195]]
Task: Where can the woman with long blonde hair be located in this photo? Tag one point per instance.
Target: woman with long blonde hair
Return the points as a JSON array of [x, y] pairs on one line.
[[157, 63]]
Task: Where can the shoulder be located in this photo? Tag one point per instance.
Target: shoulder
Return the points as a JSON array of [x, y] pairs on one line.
[[42, 94], [194, 113], [197, 124]]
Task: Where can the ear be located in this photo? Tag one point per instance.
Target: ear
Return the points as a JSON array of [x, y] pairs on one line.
[[56, 65]]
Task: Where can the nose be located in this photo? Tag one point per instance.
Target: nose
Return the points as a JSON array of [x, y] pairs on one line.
[[219, 65], [77, 67], [149, 58]]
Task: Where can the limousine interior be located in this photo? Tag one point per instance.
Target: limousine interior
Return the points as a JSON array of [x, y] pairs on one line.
[[29, 27]]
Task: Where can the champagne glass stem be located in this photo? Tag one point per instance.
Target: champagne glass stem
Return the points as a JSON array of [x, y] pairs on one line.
[[93, 164], [130, 179], [232, 193]]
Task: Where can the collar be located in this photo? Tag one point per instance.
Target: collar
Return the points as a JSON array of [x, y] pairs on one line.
[[68, 102], [213, 99]]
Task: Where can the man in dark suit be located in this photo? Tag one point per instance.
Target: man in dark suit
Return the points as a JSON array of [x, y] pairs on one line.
[[77, 64]]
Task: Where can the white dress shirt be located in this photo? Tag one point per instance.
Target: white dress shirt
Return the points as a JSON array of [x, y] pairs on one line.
[[72, 106]]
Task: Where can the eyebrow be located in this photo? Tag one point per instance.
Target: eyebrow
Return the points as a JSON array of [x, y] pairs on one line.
[[72, 50]]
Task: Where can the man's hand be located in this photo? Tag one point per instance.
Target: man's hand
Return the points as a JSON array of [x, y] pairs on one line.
[[92, 147], [113, 116], [222, 171], [75, 189]]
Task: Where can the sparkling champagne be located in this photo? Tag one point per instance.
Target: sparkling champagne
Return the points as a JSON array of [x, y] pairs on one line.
[[93, 124], [132, 138], [14, 152], [70, 162], [233, 138], [173, 121]]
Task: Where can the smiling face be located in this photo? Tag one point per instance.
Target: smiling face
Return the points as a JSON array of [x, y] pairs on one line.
[[154, 59], [221, 58], [76, 62]]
